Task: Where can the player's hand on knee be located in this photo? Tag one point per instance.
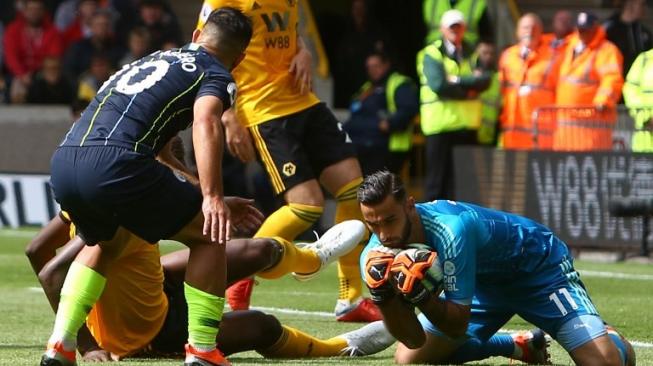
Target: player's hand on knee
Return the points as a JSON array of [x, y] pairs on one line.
[[409, 274], [377, 274], [217, 219], [245, 217]]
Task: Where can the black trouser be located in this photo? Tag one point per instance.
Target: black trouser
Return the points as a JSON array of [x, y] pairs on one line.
[[439, 174], [396, 161], [371, 158]]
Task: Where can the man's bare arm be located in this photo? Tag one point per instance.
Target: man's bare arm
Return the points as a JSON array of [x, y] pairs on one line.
[[208, 144]]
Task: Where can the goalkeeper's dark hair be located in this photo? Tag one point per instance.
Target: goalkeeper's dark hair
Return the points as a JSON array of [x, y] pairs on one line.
[[376, 187], [230, 27]]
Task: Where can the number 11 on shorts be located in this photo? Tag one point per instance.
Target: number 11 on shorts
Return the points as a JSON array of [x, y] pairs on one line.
[[563, 291]]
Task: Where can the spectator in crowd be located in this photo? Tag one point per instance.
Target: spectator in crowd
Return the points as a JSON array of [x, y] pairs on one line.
[[50, 85], [2, 29], [80, 27], [163, 28], [27, 41], [138, 44], [362, 38], [78, 57], [563, 27], [479, 23], [3, 83], [625, 30], [381, 115], [65, 14], [486, 62], [590, 75], [528, 72], [638, 95], [450, 108], [98, 72]]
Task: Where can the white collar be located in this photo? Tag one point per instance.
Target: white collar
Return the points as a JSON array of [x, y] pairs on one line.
[[450, 47]]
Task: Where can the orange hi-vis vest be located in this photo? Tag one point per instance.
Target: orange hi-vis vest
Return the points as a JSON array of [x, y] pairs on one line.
[[591, 78], [527, 83]]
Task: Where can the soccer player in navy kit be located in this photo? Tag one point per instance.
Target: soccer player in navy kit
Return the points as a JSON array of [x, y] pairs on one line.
[[495, 265], [106, 176]]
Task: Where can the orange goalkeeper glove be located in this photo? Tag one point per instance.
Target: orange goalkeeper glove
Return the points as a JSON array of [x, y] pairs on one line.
[[408, 270], [377, 274]]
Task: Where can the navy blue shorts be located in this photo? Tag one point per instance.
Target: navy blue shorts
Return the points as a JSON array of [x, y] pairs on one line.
[[103, 187]]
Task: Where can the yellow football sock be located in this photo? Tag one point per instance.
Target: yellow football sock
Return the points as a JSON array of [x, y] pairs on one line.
[[296, 344], [349, 275], [289, 221], [293, 259], [347, 208]]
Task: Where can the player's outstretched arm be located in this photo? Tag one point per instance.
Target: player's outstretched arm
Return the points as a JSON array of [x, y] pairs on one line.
[[45, 244], [207, 142]]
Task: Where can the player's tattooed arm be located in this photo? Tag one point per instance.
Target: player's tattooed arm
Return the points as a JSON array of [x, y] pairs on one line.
[[301, 67], [167, 157]]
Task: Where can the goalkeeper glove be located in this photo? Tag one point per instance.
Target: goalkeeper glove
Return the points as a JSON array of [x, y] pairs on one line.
[[377, 271], [408, 270]]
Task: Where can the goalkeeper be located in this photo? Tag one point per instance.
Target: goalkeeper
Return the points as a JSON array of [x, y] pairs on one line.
[[494, 265]]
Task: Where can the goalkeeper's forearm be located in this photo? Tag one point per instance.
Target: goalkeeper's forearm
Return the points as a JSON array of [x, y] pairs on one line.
[[400, 319], [451, 318]]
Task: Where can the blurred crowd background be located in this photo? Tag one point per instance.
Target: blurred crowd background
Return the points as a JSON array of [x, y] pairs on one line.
[[410, 79]]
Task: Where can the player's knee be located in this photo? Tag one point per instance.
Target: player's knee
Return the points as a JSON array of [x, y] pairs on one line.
[[308, 193], [631, 357], [265, 252], [610, 359], [269, 328], [603, 358]]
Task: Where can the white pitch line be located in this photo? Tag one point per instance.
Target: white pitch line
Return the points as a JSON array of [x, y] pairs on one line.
[[626, 276], [324, 314], [321, 314]]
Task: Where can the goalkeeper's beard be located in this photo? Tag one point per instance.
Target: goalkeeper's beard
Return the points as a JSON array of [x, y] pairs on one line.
[[406, 232]]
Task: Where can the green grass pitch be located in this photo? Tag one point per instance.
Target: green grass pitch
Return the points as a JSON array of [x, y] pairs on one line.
[[26, 319]]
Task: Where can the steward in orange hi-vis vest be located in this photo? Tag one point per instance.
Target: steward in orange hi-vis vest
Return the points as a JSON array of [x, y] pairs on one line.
[[590, 75], [528, 78]]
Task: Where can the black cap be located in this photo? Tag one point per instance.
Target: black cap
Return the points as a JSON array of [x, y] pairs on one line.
[[586, 20]]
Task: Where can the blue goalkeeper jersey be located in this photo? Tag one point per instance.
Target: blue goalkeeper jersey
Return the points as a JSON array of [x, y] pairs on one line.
[[478, 245], [147, 102]]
